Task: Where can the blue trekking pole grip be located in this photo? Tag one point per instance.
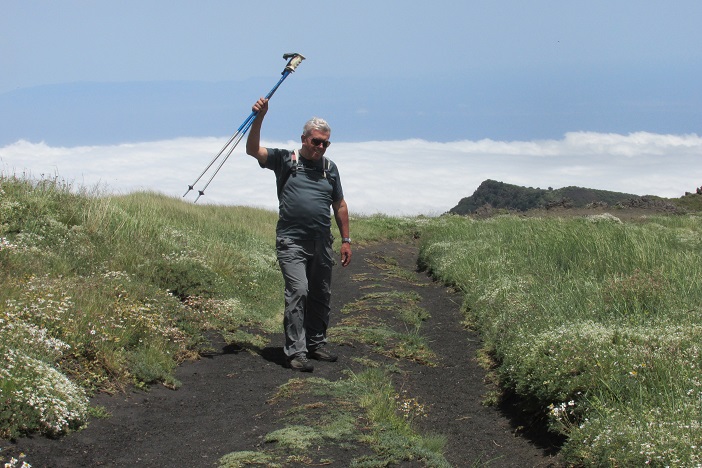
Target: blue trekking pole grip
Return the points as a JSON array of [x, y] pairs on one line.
[[294, 60]]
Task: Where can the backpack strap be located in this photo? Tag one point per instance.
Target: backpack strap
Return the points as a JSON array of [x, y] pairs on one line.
[[327, 173], [284, 178], [295, 166]]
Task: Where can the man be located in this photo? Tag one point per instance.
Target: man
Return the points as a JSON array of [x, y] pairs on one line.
[[308, 184]]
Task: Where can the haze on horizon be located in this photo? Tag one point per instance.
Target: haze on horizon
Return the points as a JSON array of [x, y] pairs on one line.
[[138, 95]]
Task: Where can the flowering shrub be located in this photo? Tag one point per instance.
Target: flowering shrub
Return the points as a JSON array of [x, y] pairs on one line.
[[42, 326], [36, 396], [19, 462]]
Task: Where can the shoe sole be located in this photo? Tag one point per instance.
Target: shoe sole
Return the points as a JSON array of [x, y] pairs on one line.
[[299, 369]]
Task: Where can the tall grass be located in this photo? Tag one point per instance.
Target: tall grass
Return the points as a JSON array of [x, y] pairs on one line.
[[595, 322], [99, 292]]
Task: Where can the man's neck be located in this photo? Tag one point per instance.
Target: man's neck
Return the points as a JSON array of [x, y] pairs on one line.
[[301, 153]]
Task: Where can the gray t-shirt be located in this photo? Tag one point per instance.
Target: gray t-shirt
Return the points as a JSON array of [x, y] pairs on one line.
[[306, 191]]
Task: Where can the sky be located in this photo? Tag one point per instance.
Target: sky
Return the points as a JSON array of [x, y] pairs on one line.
[[425, 100]]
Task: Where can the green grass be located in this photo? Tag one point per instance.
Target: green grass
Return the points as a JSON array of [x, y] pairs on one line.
[[361, 324], [392, 270], [362, 409], [595, 324], [101, 292], [592, 322]]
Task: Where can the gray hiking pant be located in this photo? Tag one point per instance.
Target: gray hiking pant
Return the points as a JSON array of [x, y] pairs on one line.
[[307, 271]]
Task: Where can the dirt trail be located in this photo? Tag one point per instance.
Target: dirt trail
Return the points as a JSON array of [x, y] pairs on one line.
[[223, 404]]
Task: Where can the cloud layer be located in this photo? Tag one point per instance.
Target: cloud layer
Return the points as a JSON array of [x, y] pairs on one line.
[[407, 177]]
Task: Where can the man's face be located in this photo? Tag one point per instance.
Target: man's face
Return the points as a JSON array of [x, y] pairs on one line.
[[314, 151]]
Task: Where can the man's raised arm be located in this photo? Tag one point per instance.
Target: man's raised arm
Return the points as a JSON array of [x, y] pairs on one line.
[[253, 141]]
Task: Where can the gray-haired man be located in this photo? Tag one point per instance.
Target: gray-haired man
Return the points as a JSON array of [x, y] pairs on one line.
[[308, 184]]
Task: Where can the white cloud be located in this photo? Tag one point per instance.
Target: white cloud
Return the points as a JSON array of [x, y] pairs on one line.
[[405, 177]]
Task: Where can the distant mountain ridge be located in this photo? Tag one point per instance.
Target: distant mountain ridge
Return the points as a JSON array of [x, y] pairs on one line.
[[114, 112], [500, 195]]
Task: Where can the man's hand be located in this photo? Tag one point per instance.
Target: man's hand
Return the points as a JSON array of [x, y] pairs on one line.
[[341, 213], [345, 254], [260, 106]]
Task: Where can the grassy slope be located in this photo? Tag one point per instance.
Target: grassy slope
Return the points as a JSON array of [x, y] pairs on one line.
[[593, 322], [99, 292], [111, 291]]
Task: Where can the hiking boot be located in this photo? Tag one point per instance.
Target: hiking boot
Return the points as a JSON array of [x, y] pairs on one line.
[[323, 354], [299, 362]]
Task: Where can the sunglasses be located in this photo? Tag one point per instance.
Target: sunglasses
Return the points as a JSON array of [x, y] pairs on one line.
[[319, 141]]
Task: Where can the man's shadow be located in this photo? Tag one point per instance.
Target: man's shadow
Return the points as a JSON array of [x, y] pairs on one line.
[[274, 354]]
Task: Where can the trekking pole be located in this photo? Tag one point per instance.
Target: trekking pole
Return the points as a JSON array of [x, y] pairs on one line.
[[294, 59]]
